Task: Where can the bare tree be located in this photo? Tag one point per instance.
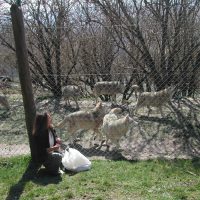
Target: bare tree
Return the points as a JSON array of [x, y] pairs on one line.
[[46, 37], [153, 43], [156, 35], [50, 42]]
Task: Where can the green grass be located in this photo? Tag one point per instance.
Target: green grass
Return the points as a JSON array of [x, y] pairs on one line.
[[153, 179]]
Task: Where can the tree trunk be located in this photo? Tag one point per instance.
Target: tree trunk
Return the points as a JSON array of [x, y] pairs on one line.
[[24, 73]]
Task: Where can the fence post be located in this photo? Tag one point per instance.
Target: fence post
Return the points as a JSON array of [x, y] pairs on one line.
[[18, 2], [24, 73]]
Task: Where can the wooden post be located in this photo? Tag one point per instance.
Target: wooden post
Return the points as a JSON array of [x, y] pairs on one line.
[[24, 73], [18, 2]]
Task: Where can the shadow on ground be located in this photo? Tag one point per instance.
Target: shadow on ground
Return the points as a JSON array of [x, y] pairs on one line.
[[32, 173]]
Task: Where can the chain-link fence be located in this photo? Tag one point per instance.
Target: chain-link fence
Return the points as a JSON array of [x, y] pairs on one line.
[[146, 63]]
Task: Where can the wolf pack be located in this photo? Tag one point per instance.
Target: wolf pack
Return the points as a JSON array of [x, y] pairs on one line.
[[110, 124]]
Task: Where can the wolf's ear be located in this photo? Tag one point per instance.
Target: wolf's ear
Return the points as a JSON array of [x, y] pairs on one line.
[[98, 105], [127, 118], [172, 89]]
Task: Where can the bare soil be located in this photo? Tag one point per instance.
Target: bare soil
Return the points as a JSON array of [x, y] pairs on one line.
[[177, 135], [140, 144]]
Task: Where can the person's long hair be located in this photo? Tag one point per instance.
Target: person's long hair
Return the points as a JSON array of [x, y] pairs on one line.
[[40, 123]]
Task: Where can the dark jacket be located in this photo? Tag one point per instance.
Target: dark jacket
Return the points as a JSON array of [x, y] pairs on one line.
[[42, 143]]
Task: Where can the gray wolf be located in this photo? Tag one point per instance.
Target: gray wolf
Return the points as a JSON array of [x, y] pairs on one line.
[[84, 119], [154, 99], [4, 102], [72, 92], [108, 88]]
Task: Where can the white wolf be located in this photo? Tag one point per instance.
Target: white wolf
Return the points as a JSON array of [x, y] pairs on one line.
[[114, 127]]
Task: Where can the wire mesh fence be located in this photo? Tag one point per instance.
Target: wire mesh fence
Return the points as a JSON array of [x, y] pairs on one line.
[[149, 69]]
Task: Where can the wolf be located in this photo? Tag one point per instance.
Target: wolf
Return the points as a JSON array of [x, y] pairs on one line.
[[108, 88], [154, 99], [87, 120], [72, 91], [4, 102], [114, 127]]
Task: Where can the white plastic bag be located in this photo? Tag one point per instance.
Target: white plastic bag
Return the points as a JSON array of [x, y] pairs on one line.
[[73, 160]]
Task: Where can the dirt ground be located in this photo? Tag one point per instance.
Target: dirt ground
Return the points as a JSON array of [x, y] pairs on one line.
[[14, 150], [175, 136], [133, 147]]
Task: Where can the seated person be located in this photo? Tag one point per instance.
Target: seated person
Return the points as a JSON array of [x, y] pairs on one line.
[[47, 144]]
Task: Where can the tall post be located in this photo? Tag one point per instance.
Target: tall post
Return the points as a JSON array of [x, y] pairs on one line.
[[18, 2], [24, 73]]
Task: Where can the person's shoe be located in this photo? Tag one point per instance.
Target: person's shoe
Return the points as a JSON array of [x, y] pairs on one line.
[[62, 167], [61, 171]]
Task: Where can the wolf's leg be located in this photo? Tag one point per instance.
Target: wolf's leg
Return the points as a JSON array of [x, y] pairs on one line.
[[100, 135], [113, 98], [107, 144], [96, 99], [161, 111], [77, 106], [117, 145], [135, 110], [149, 110], [136, 96]]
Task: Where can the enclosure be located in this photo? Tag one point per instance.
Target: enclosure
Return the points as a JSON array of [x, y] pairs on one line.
[[151, 44]]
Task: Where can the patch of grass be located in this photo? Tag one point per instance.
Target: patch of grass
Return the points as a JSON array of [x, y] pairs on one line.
[[153, 179]]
